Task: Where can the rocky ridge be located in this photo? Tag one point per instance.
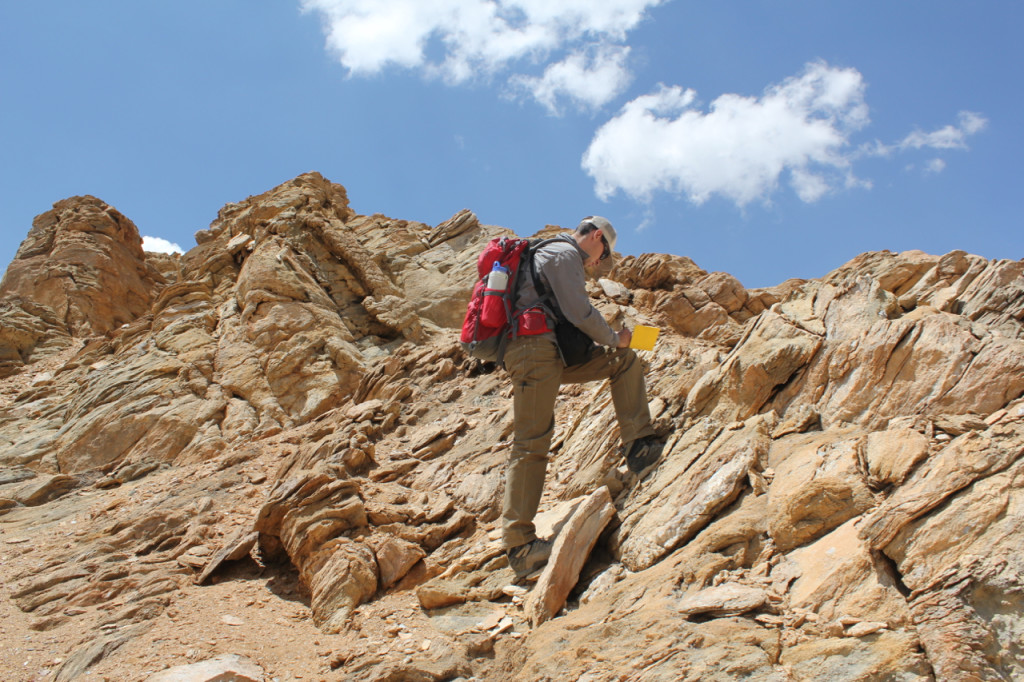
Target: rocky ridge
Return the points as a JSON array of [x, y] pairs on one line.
[[281, 421]]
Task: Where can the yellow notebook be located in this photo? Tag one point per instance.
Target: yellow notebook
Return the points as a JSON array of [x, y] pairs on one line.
[[644, 337]]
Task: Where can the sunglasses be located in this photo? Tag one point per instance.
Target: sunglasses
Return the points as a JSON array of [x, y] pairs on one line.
[[607, 249]]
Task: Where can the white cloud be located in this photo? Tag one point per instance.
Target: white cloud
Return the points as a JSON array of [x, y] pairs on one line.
[[740, 147], [461, 39], [588, 79], [944, 139], [573, 54], [158, 245], [873, 148], [949, 137], [808, 186]]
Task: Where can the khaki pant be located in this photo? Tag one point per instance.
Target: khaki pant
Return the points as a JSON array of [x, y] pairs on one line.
[[536, 370]]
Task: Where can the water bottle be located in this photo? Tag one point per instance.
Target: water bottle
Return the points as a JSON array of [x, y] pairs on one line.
[[494, 313], [497, 280]]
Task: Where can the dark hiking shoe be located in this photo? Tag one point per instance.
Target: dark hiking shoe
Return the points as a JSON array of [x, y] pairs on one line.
[[525, 559], [642, 453]]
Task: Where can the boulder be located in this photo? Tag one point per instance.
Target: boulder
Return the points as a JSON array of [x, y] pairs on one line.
[[83, 260], [964, 460], [818, 485], [892, 454], [571, 550], [958, 561], [725, 290], [735, 540], [723, 600], [839, 577], [692, 486], [42, 489], [237, 547], [395, 557], [224, 667], [769, 355]]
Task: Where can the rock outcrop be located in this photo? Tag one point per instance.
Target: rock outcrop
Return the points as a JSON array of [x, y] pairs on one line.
[[80, 272], [839, 495]]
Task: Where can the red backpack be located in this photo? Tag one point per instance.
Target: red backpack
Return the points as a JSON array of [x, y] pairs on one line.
[[491, 310]]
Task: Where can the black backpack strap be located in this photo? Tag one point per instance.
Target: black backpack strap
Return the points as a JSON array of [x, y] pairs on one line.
[[545, 299], [574, 346]]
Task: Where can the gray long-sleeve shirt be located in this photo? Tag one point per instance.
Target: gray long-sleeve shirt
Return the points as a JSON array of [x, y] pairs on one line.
[[559, 267]]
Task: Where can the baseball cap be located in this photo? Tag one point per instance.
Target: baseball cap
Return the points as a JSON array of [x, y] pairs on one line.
[[606, 229]]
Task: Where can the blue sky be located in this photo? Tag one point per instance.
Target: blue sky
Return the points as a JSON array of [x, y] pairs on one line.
[[767, 138]]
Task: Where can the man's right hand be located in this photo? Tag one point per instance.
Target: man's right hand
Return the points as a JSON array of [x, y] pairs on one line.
[[625, 336]]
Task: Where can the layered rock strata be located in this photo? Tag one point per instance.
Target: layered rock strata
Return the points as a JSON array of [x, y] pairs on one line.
[[839, 495]]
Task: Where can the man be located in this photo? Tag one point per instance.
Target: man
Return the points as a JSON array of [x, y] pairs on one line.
[[536, 368]]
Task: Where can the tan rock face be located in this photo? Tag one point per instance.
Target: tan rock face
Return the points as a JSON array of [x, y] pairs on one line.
[[771, 353], [575, 541], [892, 454], [839, 495], [81, 271], [837, 577], [84, 261], [818, 485], [691, 492]]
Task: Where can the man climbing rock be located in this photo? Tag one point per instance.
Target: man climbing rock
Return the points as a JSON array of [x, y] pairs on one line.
[[552, 291]]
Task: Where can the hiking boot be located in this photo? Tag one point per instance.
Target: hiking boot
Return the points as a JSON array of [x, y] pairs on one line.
[[525, 559], [642, 453]]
